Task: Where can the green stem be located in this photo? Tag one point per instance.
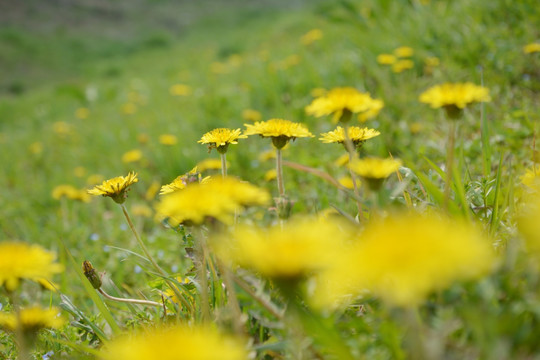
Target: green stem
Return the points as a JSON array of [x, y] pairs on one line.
[[223, 164], [266, 303], [232, 299], [200, 265], [449, 163], [350, 148], [279, 173]]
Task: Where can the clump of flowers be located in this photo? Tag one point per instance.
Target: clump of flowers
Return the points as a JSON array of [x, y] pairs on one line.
[[402, 65], [180, 342], [20, 261], [357, 135], [454, 97], [404, 51], [115, 188], [217, 198], [32, 319], [375, 170], [311, 36], [132, 156], [279, 130], [386, 59], [221, 138], [342, 102], [531, 48]]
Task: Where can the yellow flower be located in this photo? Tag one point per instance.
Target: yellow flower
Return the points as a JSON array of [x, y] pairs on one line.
[[219, 68], [317, 92], [299, 248], [115, 188], [342, 160], [270, 175], [141, 210], [267, 155], [95, 179], [221, 138], [402, 65], [70, 192], [32, 319], [346, 181], [132, 156], [311, 36], [432, 61], [175, 343], [216, 198], [129, 108], [376, 107], [82, 113], [152, 190], [375, 170], [531, 178], [36, 148], [62, 128], [170, 294], [168, 139], [24, 261], [454, 95], [251, 115], [180, 90], [528, 223], [143, 138], [386, 59], [342, 103], [402, 259], [79, 171], [403, 51], [181, 181], [357, 135], [209, 164], [531, 48], [281, 131]]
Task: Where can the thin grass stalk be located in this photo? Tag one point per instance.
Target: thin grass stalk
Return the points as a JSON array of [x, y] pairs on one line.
[[232, 299], [200, 266], [223, 164], [279, 173], [350, 148], [449, 163]]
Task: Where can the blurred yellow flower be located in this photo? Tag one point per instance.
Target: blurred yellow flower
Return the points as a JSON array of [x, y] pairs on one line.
[[432, 61], [32, 319], [180, 90], [454, 94], [36, 148], [70, 192], [317, 92], [170, 294], [175, 343], [219, 68], [531, 48], [24, 261], [357, 135], [82, 113], [270, 175], [404, 51], [251, 115], [95, 179], [346, 181], [143, 138], [531, 178], [267, 155], [528, 223], [341, 103], [132, 156], [386, 59], [402, 65], [375, 170], [62, 128], [281, 131], [342, 160], [209, 164], [221, 138], [181, 181], [141, 210], [168, 139], [402, 259], [293, 251], [129, 108], [152, 190], [311, 36], [79, 171], [115, 188], [216, 198]]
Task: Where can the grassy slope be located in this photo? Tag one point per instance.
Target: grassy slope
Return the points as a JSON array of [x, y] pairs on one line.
[[469, 38]]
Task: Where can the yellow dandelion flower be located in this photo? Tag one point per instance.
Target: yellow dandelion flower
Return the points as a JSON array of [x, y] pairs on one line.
[[115, 188], [143, 138], [132, 156], [216, 198], [251, 115], [70, 192], [404, 51], [235, 60], [270, 175], [267, 155], [170, 294], [531, 178], [432, 61], [416, 127], [32, 319], [129, 108], [152, 190], [209, 164], [454, 95], [342, 103], [221, 138], [168, 139], [82, 113], [298, 249], [402, 259], [342, 160], [531, 48], [280, 130], [311, 36], [357, 135], [24, 261], [346, 181], [375, 170], [180, 342], [95, 179], [180, 90], [528, 223], [386, 59], [36, 148], [402, 65], [177, 184], [79, 171], [376, 107]]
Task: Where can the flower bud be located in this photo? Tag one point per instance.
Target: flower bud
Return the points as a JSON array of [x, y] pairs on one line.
[[91, 274]]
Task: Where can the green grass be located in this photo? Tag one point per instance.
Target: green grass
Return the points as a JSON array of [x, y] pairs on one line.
[[51, 71]]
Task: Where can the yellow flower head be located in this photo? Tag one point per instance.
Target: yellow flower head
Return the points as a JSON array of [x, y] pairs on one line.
[[402, 65], [346, 181], [375, 170], [216, 198], [209, 164], [386, 59], [221, 138], [342, 160], [141, 210], [270, 175], [281, 131], [402, 259], [531, 48], [528, 223], [404, 51], [168, 139], [531, 178], [454, 95], [32, 319], [180, 342], [132, 156], [299, 248], [311, 36], [180, 90], [342, 103], [115, 188], [181, 181], [251, 115], [432, 61], [357, 135], [70, 192], [24, 261], [170, 294]]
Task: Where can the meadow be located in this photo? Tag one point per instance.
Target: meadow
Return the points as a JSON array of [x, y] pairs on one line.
[[416, 237]]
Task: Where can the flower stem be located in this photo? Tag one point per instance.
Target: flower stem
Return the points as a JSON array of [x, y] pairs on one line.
[[449, 163], [200, 266], [132, 301], [232, 300], [279, 173], [223, 164], [350, 148]]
